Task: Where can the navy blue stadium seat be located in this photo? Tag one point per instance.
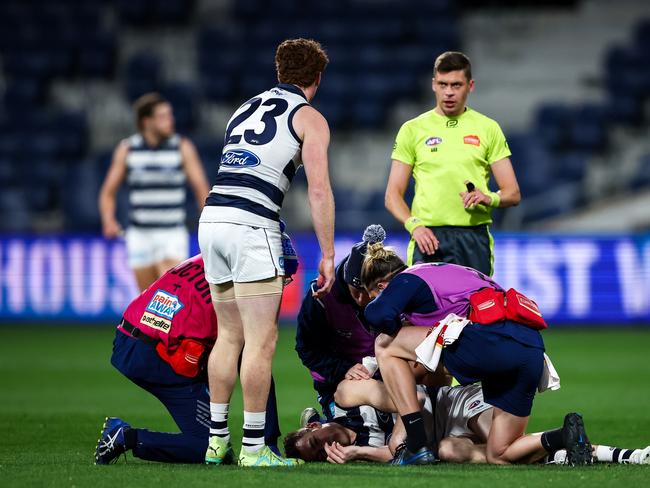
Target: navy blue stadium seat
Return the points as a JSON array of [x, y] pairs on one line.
[[154, 12], [552, 125], [642, 40], [24, 94], [335, 112], [625, 110], [81, 186], [534, 164], [143, 73], [10, 146], [8, 174], [218, 87], [587, 130], [174, 11], [561, 199], [210, 153], [13, 203], [642, 176], [182, 98], [368, 113], [97, 55], [571, 166]]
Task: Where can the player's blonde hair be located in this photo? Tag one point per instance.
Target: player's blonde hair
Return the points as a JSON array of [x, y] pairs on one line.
[[381, 263]]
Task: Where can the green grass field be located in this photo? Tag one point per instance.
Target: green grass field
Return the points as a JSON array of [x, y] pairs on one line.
[[58, 385]]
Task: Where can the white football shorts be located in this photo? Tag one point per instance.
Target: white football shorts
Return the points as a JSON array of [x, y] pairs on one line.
[[146, 247], [455, 406], [239, 253]]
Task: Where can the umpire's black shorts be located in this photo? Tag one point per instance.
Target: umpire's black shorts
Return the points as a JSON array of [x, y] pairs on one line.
[[468, 246]]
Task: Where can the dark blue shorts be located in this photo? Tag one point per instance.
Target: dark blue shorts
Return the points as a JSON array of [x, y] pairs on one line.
[[508, 370]]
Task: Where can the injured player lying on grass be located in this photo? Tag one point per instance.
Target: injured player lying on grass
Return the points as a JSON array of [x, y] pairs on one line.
[[457, 422]]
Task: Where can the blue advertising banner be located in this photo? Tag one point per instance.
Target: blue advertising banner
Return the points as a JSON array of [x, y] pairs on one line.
[[575, 279]]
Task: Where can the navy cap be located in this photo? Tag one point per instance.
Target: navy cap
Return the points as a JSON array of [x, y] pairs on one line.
[[352, 269]]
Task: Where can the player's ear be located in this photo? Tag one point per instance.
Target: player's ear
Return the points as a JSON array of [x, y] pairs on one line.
[[471, 85], [314, 425]]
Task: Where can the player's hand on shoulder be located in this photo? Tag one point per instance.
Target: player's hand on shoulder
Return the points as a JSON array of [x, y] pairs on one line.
[[325, 278], [425, 239]]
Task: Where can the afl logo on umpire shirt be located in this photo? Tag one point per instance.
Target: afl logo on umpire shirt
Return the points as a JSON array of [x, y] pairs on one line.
[[239, 158], [433, 141]]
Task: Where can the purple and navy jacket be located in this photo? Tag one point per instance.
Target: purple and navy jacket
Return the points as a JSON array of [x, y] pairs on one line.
[[332, 334], [425, 294]]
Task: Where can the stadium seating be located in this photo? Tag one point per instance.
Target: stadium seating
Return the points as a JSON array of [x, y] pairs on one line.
[[381, 55]]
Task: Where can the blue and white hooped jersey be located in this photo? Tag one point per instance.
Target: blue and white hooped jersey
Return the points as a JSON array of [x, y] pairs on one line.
[[156, 182], [260, 157], [373, 427]]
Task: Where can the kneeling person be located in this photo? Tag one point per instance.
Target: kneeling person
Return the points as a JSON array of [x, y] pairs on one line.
[[161, 345]]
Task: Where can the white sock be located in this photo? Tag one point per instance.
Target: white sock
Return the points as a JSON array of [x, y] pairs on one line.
[[608, 454], [254, 423], [560, 456], [605, 454], [219, 420]]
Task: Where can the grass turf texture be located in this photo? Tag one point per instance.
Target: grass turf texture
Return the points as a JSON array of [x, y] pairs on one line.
[[58, 385]]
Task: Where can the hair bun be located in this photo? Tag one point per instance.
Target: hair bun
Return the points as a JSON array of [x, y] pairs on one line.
[[374, 233]]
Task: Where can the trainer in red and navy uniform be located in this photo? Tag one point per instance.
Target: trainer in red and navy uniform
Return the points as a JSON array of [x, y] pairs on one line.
[[158, 345]]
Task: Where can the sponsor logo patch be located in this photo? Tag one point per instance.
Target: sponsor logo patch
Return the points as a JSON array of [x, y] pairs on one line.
[[239, 159], [155, 322], [473, 140], [474, 404], [433, 141], [451, 123], [164, 305]]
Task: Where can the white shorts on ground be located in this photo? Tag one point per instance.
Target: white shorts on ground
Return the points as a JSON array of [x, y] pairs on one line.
[[239, 253], [146, 247], [455, 406]]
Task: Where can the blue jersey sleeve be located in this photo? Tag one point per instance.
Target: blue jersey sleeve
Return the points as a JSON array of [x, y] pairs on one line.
[[312, 342], [405, 293]]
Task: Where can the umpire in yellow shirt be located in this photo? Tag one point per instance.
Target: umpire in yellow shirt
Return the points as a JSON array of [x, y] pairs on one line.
[[451, 151]]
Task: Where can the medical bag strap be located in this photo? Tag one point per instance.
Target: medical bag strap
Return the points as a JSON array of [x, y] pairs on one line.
[[137, 333]]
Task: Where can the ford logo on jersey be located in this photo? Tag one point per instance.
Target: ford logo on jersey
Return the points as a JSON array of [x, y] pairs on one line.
[[240, 158]]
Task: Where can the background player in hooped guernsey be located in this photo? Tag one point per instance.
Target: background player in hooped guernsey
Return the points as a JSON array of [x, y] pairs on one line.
[[156, 163], [266, 141], [158, 346], [451, 150]]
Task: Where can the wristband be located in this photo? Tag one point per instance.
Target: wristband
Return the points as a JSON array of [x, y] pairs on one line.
[[412, 223], [496, 199]]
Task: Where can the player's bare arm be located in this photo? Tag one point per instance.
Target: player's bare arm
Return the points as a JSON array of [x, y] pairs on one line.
[[340, 454], [508, 193], [108, 192], [398, 180], [194, 172], [314, 132]]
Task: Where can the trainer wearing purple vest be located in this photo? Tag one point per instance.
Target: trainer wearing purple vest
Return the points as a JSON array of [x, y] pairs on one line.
[[333, 336]]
